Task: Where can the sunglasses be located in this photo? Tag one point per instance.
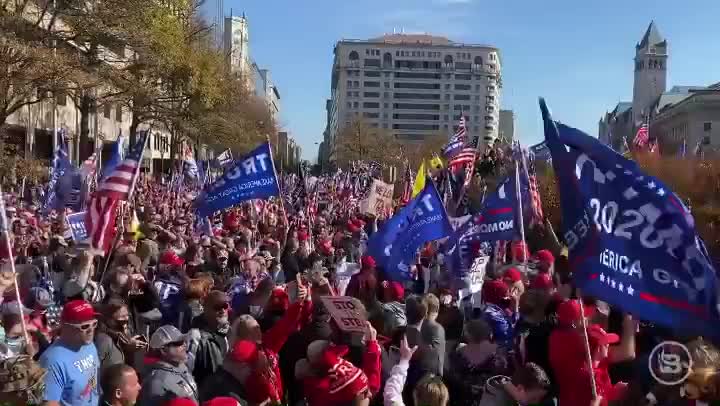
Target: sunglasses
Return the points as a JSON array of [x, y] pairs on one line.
[[176, 344], [85, 326], [221, 306]]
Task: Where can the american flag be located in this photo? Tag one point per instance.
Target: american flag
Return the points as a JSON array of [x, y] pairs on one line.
[[537, 215], [462, 129], [118, 185], [642, 137], [455, 145], [467, 155]]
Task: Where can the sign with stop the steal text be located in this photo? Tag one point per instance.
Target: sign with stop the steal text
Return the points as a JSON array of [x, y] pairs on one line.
[[348, 316], [379, 200]]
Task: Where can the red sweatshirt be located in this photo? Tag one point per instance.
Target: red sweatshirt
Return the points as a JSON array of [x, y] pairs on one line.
[[261, 385]]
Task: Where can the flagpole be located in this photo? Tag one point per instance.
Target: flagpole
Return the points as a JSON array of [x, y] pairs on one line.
[[272, 162], [587, 348], [518, 195], [11, 259]]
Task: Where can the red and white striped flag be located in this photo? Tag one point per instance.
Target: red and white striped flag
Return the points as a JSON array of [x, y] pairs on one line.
[[642, 137], [118, 185], [467, 155]]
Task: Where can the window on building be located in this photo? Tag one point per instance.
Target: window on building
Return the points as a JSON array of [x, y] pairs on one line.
[[372, 74], [106, 110], [477, 97], [371, 115], [461, 97], [349, 94], [387, 85], [385, 105], [371, 105], [461, 86], [371, 84], [371, 94], [490, 99], [356, 104], [349, 105], [118, 112], [372, 63], [60, 98], [349, 83], [356, 84], [446, 117], [462, 65], [462, 76], [707, 126]]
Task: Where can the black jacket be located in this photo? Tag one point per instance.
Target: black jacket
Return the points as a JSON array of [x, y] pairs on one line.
[[208, 349], [222, 384]]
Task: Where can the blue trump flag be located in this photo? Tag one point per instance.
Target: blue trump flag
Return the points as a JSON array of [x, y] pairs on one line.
[[423, 219], [497, 220], [251, 177], [631, 240]]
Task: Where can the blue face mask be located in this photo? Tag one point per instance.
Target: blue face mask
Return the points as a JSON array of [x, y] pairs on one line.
[[15, 344]]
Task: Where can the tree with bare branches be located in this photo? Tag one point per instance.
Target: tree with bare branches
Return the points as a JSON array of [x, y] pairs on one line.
[[361, 142]]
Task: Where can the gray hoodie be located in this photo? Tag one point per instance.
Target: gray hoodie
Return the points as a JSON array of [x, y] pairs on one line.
[[164, 381]]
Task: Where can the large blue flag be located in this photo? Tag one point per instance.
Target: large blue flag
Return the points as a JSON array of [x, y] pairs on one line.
[[631, 240], [423, 219], [60, 164], [498, 220], [251, 177], [116, 156]]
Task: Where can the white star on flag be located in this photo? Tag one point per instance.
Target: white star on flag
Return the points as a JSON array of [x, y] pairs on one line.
[[630, 193], [612, 283], [621, 287], [651, 185], [630, 290], [661, 192], [602, 277]]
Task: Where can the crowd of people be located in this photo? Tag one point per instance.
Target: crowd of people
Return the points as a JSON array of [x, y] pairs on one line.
[[176, 317]]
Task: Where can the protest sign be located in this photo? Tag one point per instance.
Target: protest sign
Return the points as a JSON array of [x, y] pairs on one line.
[[76, 223], [345, 313], [379, 200]]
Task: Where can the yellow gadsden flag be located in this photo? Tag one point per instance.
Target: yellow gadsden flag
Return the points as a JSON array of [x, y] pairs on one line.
[[436, 162], [419, 180]]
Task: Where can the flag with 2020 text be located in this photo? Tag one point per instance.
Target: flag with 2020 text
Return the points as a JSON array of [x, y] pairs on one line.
[[631, 240]]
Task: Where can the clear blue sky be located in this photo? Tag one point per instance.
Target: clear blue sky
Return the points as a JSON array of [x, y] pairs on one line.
[[577, 54]]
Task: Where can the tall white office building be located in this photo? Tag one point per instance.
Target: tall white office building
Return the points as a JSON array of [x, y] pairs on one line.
[[413, 86]]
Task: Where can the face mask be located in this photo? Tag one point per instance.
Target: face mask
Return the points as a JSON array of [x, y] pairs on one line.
[[15, 344]]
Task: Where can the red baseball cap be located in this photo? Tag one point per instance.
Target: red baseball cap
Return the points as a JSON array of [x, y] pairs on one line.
[[367, 261], [169, 257], [513, 274], [77, 311], [541, 281], [569, 312], [545, 256], [222, 401], [244, 351], [180, 402], [597, 336]]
